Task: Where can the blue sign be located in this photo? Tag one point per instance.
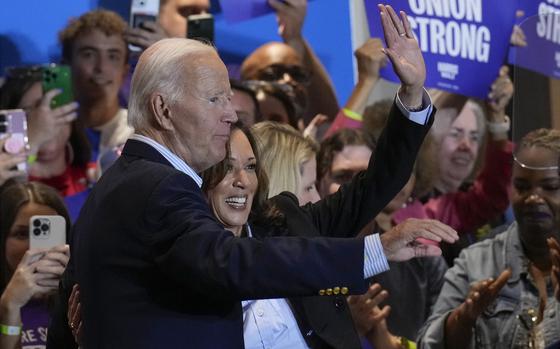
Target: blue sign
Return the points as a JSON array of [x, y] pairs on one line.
[[464, 42], [542, 53], [241, 10]]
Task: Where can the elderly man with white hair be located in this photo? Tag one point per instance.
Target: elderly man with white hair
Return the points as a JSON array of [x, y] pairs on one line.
[[156, 270]]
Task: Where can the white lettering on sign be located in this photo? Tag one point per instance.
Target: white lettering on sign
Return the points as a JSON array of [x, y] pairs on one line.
[[455, 39]]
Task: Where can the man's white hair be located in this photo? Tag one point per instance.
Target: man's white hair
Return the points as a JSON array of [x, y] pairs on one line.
[[161, 68]]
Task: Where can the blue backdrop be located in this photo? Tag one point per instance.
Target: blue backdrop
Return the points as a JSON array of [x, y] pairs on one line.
[[28, 33]]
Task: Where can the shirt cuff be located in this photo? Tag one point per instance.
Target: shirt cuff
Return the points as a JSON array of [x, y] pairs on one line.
[[375, 261], [420, 117]]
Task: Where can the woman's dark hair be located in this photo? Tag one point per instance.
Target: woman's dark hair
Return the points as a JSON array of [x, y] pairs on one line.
[[336, 143], [262, 210], [245, 86], [12, 198], [18, 81], [284, 93]]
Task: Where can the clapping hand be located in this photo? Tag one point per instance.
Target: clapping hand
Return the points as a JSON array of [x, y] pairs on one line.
[[365, 309], [75, 314], [480, 296]]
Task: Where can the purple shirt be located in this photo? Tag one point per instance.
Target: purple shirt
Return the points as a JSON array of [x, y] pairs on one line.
[[35, 319]]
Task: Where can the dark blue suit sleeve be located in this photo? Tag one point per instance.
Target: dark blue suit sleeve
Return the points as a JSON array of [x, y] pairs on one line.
[[192, 249]]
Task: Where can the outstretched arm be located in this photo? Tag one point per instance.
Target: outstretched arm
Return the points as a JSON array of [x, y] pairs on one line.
[[291, 16]]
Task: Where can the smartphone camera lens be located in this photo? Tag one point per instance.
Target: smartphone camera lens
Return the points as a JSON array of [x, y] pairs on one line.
[[36, 223], [36, 231], [44, 227]]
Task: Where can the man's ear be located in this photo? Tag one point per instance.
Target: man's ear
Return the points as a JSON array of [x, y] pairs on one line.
[[161, 111]]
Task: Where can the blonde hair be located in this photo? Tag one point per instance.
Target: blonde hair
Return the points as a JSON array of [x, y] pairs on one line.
[[283, 152], [161, 68]]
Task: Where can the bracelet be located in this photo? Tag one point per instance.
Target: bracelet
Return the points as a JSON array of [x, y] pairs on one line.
[[499, 127], [10, 330], [407, 344], [352, 114], [31, 159]]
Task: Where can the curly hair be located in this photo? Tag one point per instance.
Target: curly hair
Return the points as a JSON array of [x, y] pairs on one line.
[[109, 22], [543, 138]]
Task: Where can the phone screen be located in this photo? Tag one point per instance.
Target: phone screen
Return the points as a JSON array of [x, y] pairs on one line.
[[138, 19]]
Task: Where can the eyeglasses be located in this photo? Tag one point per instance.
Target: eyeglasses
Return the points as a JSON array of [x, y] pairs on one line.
[[276, 72]]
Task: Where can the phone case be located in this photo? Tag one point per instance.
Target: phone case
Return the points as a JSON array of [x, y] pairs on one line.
[[58, 77], [142, 11], [201, 27], [13, 123], [47, 231]]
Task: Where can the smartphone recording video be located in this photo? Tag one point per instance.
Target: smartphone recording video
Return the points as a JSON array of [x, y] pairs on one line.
[[47, 231], [142, 11], [201, 27]]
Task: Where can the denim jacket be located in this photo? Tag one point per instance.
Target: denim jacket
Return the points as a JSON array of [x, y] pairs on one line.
[[505, 323]]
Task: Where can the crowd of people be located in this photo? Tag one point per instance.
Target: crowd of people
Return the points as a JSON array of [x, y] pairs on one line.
[[210, 211]]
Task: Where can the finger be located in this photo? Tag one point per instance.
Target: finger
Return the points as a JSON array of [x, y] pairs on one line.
[[66, 119], [31, 256], [49, 283], [65, 109], [54, 270], [504, 70], [497, 285], [444, 231], [318, 119], [373, 290], [5, 175], [379, 297], [382, 314], [389, 30], [149, 25], [79, 332], [425, 232], [76, 318], [72, 298], [553, 244], [140, 42], [48, 97], [426, 251], [407, 28], [12, 160], [396, 20]]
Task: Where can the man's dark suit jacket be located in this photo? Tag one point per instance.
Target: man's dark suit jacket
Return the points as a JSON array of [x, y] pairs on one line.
[[156, 270], [326, 322]]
